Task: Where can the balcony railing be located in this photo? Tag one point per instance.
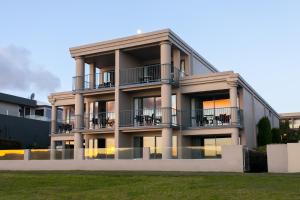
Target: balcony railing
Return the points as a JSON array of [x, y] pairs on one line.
[[213, 117], [65, 126], [99, 120], [95, 81], [149, 117], [150, 74]]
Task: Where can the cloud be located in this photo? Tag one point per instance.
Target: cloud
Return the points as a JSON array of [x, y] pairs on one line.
[[17, 72]]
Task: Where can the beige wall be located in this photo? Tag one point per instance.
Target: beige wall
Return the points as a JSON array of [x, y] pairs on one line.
[[284, 158], [231, 161]]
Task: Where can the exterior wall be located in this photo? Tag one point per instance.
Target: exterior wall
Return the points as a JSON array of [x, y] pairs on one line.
[[232, 161], [199, 68], [253, 111], [284, 158], [9, 109], [29, 132]]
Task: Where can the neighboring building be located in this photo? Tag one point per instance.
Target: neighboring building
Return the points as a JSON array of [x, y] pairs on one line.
[[292, 118], [153, 90], [24, 121]]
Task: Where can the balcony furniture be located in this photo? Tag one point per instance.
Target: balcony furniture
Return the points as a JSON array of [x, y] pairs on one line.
[[149, 119], [139, 119], [94, 122], [110, 122]]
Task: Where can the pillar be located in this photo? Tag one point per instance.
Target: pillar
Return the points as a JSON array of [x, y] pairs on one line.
[[79, 104], [63, 150], [87, 116], [64, 114], [166, 99], [52, 150], [53, 119], [176, 63], [235, 136], [118, 60], [92, 76]]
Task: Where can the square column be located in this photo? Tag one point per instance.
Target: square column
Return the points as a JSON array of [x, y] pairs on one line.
[[53, 118], [166, 99], [79, 105]]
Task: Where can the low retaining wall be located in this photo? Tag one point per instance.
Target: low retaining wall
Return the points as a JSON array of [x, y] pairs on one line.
[[284, 158], [232, 161]]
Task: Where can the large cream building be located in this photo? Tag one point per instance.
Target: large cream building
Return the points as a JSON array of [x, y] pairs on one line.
[[153, 90]]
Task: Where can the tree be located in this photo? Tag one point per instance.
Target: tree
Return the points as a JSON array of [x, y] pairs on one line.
[[288, 135], [264, 135], [276, 136]]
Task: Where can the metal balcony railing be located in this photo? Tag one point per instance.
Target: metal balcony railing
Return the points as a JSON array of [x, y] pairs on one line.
[[94, 81], [99, 120], [149, 117], [65, 126], [150, 74], [214, 117]]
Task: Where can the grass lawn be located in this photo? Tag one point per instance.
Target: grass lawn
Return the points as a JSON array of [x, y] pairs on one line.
[[147, 185]]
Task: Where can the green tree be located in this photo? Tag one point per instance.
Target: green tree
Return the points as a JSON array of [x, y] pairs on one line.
[[264, 135], [276, 136]]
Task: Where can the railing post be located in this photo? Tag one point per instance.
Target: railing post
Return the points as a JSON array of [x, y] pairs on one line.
[[27, 154], [146, 153]]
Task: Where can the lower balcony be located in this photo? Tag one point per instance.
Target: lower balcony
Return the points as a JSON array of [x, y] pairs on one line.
[[215, 117], [149, 117]]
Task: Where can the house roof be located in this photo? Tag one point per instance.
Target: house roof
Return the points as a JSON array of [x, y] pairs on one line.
[[17, 100]]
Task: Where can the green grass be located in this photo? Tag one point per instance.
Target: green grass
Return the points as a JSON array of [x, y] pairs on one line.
[[147, 185]]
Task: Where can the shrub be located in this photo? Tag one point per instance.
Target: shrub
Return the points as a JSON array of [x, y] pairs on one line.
[[264, 135], [276, 136]]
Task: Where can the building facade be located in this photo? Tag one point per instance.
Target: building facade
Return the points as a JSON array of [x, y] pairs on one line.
[[24, 123], [153, 90], [292, 118]]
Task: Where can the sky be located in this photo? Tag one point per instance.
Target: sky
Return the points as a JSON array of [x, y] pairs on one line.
[[257, 39]]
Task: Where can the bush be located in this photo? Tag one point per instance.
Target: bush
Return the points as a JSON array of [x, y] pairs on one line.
[[276, 136], [264, 135]]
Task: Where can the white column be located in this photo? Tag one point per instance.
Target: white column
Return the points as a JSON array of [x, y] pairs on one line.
[[79, 104], [166, 99], [234, 106], [53, 119]]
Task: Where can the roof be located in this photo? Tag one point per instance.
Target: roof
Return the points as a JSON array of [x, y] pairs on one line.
[[138, 40], [17, 100], [289, 115]]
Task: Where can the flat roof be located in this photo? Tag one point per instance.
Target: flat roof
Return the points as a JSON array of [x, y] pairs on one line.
[[17, 100], [287, 115]]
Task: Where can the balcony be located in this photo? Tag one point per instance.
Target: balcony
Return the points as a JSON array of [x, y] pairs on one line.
[[104, 80], [149, 117], [150, 74], [100, 120], [215, 117]]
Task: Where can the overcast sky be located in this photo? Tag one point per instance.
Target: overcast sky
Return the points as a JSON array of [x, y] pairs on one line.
[[258, 39]]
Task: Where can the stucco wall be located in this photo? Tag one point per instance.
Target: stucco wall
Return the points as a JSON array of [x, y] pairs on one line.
[[231, 161], [284, 158], [199, 67], [253, 111]]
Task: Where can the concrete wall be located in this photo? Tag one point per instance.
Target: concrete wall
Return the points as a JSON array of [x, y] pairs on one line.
[[284, 158], [231, 161]]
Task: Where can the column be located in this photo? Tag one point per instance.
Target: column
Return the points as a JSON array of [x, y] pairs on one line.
[[52, 150], [166, 101], [117, 101], [176, 63], [63, 150], [234, 106], [92, 75], [65, 114], [235, 136], [79, 104], [53, 119], [87, 116]]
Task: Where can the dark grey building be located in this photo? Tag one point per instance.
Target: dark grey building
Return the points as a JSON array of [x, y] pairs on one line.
[[24, 123]]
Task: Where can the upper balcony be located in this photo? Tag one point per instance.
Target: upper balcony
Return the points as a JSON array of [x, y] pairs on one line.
[[104, 80], [150, 75]]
